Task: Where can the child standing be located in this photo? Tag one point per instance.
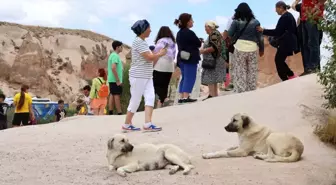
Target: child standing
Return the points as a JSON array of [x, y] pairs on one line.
[[60, 113]]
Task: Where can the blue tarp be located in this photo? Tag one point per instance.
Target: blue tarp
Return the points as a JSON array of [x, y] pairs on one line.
[[42, 110]]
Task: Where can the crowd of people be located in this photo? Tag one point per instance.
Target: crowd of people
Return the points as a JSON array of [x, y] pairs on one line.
[[229, 58]]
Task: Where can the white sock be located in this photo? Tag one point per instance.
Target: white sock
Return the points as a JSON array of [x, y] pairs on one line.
[[147, 124]]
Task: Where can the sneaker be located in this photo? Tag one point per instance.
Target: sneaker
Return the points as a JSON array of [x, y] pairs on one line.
[[130, 128], [180, 101], [152, 128], [291, 77]]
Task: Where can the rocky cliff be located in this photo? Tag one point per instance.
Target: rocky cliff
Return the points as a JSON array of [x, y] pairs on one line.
[[54, 62]]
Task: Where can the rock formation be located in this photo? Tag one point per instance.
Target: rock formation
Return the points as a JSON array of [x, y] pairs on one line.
[[54, 62]]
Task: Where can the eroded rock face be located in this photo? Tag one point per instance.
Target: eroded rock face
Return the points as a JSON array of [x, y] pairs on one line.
[[54, 62]]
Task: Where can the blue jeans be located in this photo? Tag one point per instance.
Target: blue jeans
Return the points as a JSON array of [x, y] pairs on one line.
[[311, 46], [189, 72]]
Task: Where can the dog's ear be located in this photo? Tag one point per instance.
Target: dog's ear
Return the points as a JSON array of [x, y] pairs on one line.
[[246, 121], [110, 144]]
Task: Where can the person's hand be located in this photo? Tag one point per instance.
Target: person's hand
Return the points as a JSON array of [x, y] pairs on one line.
[[118, 83], [32, 117], [261, 53], [260, 29], [163, 52]]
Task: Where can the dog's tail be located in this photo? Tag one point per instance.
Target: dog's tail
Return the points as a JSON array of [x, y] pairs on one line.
[[295, 156]]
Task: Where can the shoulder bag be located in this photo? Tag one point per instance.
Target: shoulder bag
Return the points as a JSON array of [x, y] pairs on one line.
[[231, 47]]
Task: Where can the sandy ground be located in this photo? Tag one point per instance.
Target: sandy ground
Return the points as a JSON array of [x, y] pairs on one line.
[[73, 151]]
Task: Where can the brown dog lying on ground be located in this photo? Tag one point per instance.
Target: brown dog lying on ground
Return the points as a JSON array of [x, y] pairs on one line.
[[260, 141]]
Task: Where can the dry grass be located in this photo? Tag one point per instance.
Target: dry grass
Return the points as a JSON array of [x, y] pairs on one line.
[[327, 132]]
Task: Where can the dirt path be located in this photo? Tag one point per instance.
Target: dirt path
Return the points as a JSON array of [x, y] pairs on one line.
[[73, 151]]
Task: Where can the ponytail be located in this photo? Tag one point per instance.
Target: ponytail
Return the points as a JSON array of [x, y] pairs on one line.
[[24, 88], [283, 5]]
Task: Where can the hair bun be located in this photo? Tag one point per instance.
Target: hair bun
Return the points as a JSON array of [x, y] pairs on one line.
[[288, 7], [177, 22]]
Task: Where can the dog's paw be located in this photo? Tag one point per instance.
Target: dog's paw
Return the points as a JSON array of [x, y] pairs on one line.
[[111, 168], [207, 156], [121, 172], [173, 170], [186, 171], [260, 156]]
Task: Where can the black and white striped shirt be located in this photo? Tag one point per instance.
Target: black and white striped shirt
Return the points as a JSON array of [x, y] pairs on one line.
[[140, 68]]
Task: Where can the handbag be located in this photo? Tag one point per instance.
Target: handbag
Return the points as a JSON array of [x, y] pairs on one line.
[[231, 46], [184, 55], [209, 62]]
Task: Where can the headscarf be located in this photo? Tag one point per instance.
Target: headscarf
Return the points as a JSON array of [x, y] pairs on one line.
[[140, 26], [212, 24]]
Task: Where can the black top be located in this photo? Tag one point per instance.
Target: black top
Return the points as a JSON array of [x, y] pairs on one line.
[[3, 111], [60, 114], [187, 41], [286, 32]]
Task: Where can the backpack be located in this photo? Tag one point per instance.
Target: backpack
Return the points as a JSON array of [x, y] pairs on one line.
[[103, 91]]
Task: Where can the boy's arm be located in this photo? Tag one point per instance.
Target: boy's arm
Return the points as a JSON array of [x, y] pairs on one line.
[[115, 73]]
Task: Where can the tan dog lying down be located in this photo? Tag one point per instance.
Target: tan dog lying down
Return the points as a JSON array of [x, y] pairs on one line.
[[126, 158], [261, 142]]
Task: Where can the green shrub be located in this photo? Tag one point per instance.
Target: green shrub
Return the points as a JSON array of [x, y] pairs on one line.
[[327, 76]]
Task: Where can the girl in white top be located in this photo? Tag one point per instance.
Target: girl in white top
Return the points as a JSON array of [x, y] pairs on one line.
[[164, 66]]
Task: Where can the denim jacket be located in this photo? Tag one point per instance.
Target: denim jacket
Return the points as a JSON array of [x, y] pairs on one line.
[[250, 33]]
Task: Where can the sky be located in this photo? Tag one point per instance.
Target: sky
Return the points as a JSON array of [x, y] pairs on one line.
[[114, 18]]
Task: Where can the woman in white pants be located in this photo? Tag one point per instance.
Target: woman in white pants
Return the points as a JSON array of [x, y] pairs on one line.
[[141, 77]]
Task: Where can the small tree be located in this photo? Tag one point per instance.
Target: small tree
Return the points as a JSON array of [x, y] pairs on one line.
[[327, 76]]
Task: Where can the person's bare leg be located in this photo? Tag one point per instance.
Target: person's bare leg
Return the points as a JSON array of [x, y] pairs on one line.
[[101, 111], [148, 114], [117, 103], [158, 104], [95, 111], [211, 90], [185, 95], [216, 90], [129, 117], [111, 103]]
